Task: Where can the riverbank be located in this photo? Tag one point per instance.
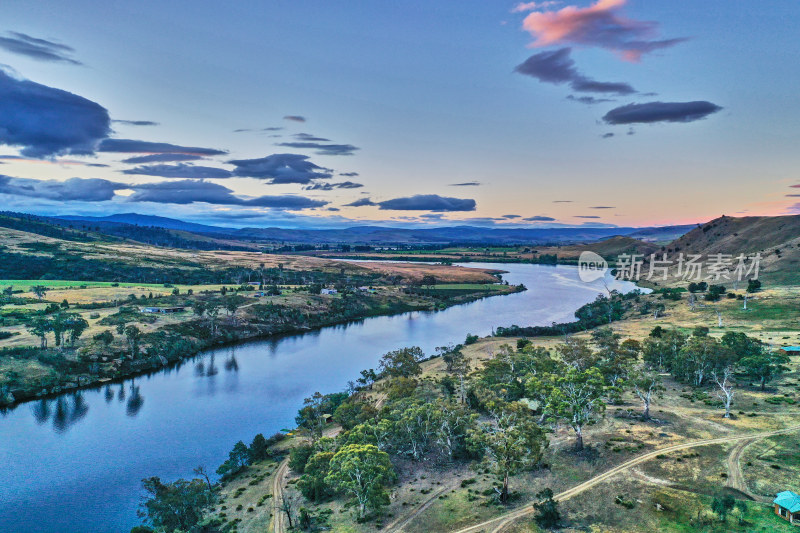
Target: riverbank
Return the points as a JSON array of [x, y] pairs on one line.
[[29, 373], [165, 424]]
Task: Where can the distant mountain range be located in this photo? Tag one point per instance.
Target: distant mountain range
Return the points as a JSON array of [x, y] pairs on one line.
[[148, 220], [377, 235]]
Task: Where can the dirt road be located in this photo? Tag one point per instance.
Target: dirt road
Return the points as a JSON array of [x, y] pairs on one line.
[[399, 523], [735, 477], [278, 524], [497, 524]]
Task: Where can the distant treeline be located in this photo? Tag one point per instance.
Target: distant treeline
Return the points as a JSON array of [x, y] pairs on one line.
[[153, 235], [543, 259], [34, 224], [71, 266]]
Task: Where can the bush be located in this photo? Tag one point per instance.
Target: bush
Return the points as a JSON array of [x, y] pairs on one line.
[[299, 456], [627, 503], [753, 285]]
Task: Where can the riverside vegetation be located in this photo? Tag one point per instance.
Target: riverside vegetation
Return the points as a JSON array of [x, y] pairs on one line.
[[89, 310], [503, 432]]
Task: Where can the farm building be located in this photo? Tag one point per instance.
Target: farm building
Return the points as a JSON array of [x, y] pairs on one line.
[[787, 506], [328, 291], [791, 350]]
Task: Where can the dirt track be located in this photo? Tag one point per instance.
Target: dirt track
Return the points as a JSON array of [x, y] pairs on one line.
[[278, 518], [735, 477], [497, 524], [399, 523]]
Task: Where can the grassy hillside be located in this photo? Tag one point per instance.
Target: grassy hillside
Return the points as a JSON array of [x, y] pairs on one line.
[[776, 239], [743, 234], [26, 255]]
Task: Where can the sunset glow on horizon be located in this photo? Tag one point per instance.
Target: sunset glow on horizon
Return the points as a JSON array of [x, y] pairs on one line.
[[485, 113]]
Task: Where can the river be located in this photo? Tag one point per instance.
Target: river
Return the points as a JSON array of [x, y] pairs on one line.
[[74, 463]]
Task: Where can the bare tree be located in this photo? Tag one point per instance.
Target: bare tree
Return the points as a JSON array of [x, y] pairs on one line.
[[646, 384], [201, 471], [287, 505], [212, 312], [725, 393]]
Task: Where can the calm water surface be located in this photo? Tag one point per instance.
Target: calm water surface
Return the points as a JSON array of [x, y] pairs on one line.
[[74, 463]]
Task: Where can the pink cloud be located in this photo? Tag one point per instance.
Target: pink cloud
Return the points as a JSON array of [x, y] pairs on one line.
[[600, 24]]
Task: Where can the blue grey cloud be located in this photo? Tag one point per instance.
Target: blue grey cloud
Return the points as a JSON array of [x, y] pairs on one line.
[[35, 48], [166, 192], [348, 174], [557, 67], [53, 161], [466, 184], [652, 112], [280, 169], [539, 218], [331, 186], [589, 100], [45, 122], [191, 191], [295, 118], [270, 128], [322, 149], [181, 170], [309, 137], [361, 202], [161, 158], [131, 146], [73, 189], [135, 122], [428, 202]]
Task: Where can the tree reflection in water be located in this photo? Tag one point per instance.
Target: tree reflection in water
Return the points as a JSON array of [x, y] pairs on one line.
[[135, 401], [67, 411], [212, 370], [41, 411], [231, 365]]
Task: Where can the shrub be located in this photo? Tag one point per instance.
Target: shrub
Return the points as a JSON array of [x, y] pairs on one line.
[[299, 456]]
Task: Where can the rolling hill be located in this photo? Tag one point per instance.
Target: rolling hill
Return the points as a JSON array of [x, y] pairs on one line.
[[776, 239]]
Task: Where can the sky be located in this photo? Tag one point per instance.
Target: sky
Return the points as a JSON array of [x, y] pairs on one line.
[[334, 114]]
